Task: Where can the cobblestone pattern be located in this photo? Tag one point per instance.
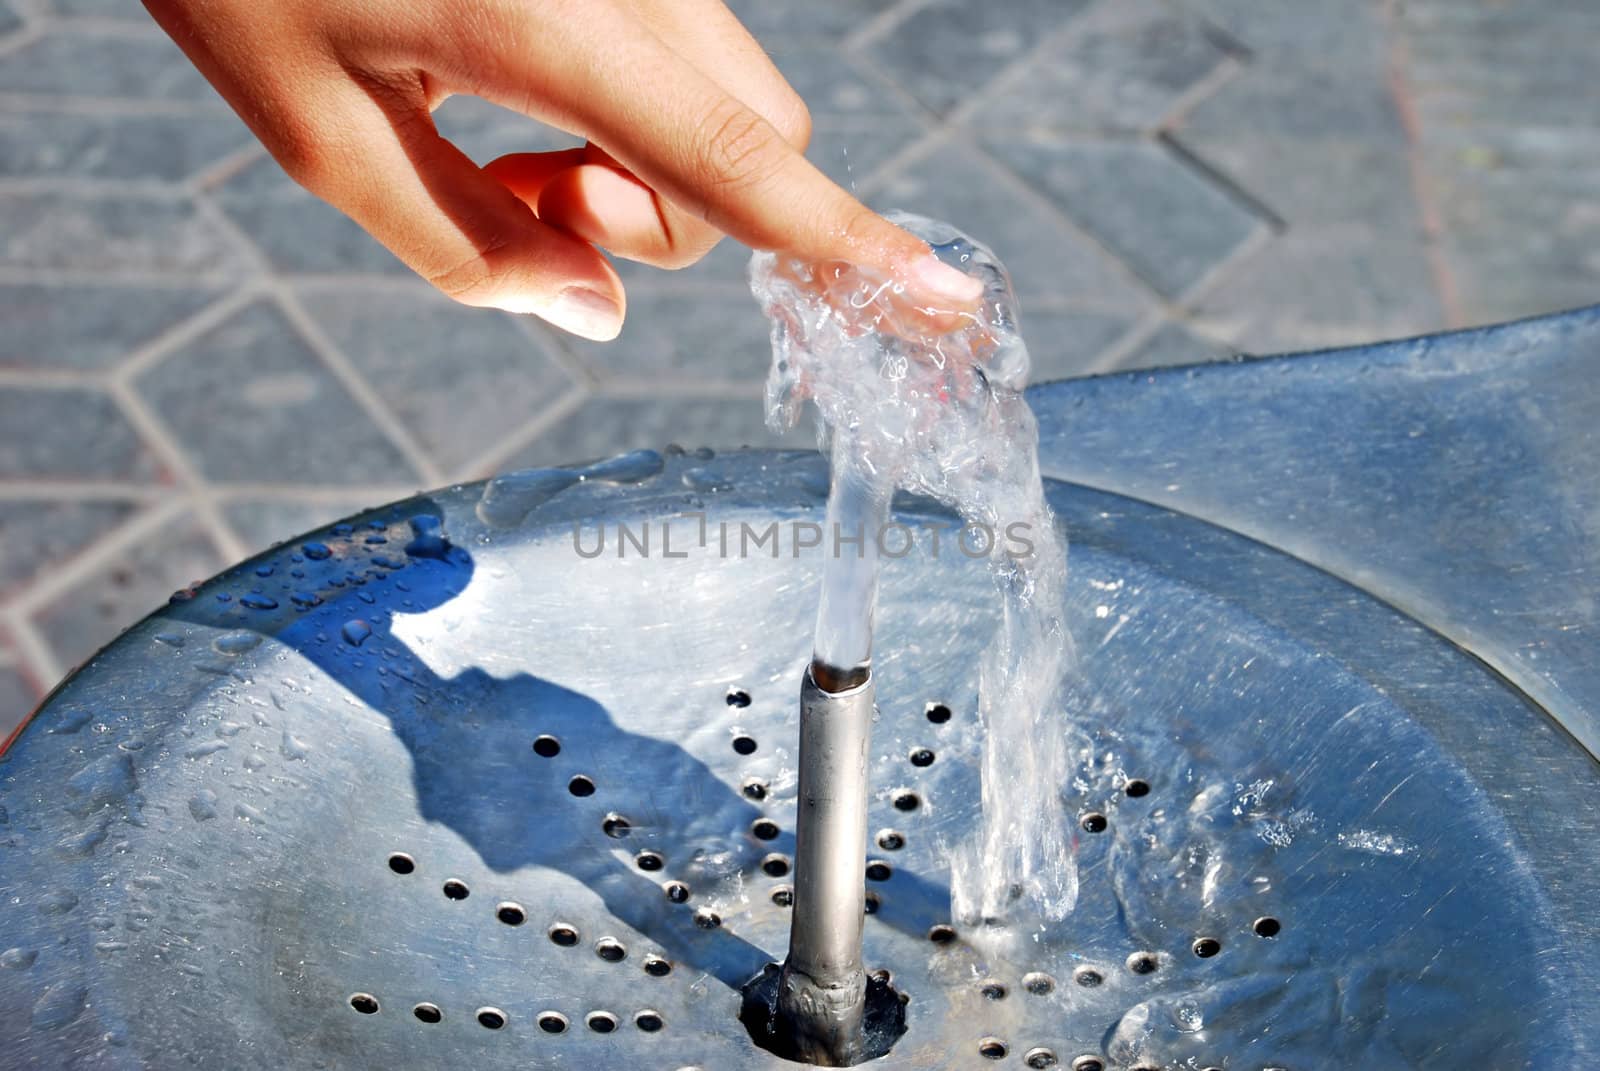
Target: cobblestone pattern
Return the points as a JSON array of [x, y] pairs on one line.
[[197, 358]]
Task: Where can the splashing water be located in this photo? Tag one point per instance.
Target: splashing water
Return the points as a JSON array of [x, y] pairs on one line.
[[941, 414]]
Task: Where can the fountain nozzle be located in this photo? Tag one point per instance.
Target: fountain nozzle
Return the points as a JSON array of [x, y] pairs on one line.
[[822, 993]]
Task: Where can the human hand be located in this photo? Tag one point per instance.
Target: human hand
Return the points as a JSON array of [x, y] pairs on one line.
[[692, 134]]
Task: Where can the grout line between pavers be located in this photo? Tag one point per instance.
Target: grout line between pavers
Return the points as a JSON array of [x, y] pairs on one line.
[[1221, 181], [491, 460], [316, 494], [35, 658], [155, 434], [218, 172], [366, 397], [64, 575], [143, 357], [88, 491], [1227, 69], [1398, 64], [879, 26], [51, 377], [108, 107], [30, 31], [14, 275]]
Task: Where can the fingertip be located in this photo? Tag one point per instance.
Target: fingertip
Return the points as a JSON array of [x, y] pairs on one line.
[[942, 285]]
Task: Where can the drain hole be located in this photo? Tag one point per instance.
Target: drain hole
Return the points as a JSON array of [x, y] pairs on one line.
[[1040, 1058], [563, 935], [656, 967], [677, 892], [552, 1022], [456, 889], [401, 863], [1267, 926], [738, 697], [891, 840], [547, 747], [1137, 788], [1143, 963], [511, 914], [365, 1003], [707, 919], [601, 1022], [580, 786], [993, 991], [922, 757], [649, 861], [906, 801], [755, 789], [428, 1013], [1088, 1063], [611, 950], [764, 829], [783, 896], [878, 870], [1038, 983], [775, 866], [942, 934], [1088, 977], [938, 713], [871, 903], [491, 1018], [1093, 822], [616, 826], [992, 1049], [744, 745], [648, 1021], [1207, 947]]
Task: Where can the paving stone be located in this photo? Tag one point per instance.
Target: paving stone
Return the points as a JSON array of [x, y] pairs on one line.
[[1049, 262], [1062, 344], [9, 19], [250, 402], [37, 533], [1168, 222], [17, 700], [1124, 66], [114, 233], [460, 379], [263, 523], [948, 49], [95, 9], [1322, 286], [777, 22], [87, 327], [91, 613], [852, 151], [672, 337], [69, 433], [118, 66], [1272, 98], [486, 131], [1331, 33], [1174, 345], [606, 426], [124, 148], [299, 233]]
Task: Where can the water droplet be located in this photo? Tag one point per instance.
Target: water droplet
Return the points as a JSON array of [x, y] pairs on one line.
[[1187, 1018], [171, 639], [293, 748], [508, 499], [245, 812], [356, 631], [316, 552], [210, 747], [58, 902], [236, 643], [305, 600], [18, 959], [633, 467], [258, 602], [59, 1005], [706, 479], [203, 805], [427, 538]]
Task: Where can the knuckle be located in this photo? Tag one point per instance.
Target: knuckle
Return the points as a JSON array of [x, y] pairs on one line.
[[480, 279], [738, 149], [793, 120]]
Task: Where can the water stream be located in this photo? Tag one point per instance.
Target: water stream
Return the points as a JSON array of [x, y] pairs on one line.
[[933, 405]]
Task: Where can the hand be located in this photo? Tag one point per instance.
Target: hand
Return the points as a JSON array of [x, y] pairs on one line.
[[692, 134]]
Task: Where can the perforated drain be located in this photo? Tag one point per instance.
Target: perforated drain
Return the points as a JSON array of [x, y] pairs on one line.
[[461, 797]]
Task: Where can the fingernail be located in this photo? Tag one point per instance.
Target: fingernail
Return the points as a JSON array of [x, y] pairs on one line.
[[940, 281], [586, 313]]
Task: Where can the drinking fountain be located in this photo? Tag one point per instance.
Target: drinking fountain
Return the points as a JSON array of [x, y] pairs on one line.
[[508, 775]]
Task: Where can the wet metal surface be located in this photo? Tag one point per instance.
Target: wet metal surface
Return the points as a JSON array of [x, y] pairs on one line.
[[458, 772]]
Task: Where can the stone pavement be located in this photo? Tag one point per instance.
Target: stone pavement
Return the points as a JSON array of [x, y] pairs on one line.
[[196, 358]]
